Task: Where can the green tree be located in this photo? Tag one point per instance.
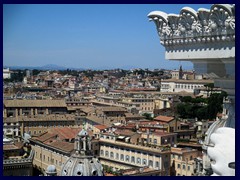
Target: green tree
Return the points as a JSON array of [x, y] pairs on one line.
[[148, 116]]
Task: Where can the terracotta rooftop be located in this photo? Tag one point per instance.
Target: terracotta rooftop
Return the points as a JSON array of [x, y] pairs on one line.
[[124, 132], [65, 146], [104, 109], [34, 103], [100, 126], [164, 118], [15, 146], [65, 132], [46, 136], [130, 115], [49, 117]]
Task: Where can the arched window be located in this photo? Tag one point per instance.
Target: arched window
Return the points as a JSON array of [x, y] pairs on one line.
[[127, 158], [117, 156], [122, 157], [106, 154], [138, 161], [144, 162], [132, 159], [150, 163], [111, 154]]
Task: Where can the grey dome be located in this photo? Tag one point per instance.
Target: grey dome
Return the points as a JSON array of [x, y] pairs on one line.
[[82, 166], [51, 170]]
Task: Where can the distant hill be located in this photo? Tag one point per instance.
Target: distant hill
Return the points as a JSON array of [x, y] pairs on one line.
[[45, 67]]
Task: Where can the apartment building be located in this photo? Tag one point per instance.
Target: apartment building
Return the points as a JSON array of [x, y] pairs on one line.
[[34, 124], [178, 85], [55, 147], [15, 108], [182, 161], [120, 152], [146, 105]]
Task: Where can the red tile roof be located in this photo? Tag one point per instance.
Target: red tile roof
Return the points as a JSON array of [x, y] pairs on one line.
[[65, 132], [164, 118], [101, 127]]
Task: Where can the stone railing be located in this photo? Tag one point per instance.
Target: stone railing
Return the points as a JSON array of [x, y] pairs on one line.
[[29, 159]]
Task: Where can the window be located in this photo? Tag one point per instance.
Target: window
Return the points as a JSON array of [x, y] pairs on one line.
[[127, 158], [101, 152], [117, 156], [138, 161], [133, 159], [156, 164], [155, 141], [111, 154], [184, 167], [188, 168], [144, 162], [178, 166], [106, 154], [122, 157], [150, 163]]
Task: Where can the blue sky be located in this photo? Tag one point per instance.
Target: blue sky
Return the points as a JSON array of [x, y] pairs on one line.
[[85, 36]]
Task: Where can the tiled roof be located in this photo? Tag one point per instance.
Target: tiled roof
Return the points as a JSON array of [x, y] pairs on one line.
[[65, 146], [34, 103], [10, 147], [164, 118], [45, 137], [113, 109], [65, 132], [101, 127]]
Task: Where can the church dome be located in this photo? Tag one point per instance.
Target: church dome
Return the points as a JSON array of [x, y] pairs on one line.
[[82, 166], [82, 162], [51, 170]]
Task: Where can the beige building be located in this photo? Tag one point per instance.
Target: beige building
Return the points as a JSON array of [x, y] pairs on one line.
[[168, 121], [182, 161], [159, 138], [15, 108], [55, 147], [118, 152], [34, 124], [147, 105]]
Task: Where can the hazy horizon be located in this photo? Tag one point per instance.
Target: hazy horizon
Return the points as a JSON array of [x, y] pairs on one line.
[[86, 36]]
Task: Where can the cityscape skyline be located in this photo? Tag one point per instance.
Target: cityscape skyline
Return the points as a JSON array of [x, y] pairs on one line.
[[85, 36]]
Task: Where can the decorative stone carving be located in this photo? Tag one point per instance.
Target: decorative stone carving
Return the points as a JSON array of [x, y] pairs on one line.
[[214, 25]]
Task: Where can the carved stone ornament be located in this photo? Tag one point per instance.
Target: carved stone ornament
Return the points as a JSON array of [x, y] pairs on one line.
[[214, 25]]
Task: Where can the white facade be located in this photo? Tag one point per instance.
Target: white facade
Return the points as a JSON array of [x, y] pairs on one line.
[[6, 73], [173, 85]]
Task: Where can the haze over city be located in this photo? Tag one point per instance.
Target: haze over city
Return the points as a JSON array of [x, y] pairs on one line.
[[85, 36]]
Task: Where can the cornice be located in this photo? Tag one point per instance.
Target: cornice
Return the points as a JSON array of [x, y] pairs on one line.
[[190, 27]]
